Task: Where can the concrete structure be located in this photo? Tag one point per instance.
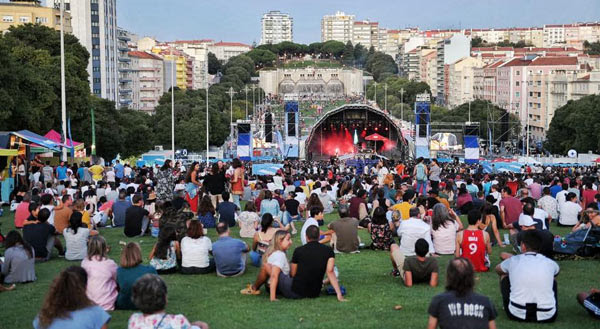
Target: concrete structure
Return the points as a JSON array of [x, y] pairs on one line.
[[95, 25], [338, 27], [19, 13], [485, 81], [125, 43], [197, 53], [317, 83], [148, 85], [366, 33], [225, 50], [276, 27], [449, 51], [183, 69], [461, 76]]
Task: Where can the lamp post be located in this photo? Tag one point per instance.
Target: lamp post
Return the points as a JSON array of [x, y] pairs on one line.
[[253, 100], [207, 123], [172, 105], [375, 97], [63, 93], [246, 90], [231, 93]]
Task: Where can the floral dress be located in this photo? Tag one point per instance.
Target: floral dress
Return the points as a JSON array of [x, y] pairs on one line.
[[158, 321], [381, 236], [165, 184], [165, 264]]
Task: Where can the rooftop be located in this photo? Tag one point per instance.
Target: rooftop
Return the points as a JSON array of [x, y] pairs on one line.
[[554, 61], [142, 54]]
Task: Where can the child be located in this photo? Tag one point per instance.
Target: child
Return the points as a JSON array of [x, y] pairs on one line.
[[102, 274]]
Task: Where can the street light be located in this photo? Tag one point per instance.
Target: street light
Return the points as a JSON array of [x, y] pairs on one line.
[[375, 83], [172, 105], [246, 90], [63, 93], [231, 93]]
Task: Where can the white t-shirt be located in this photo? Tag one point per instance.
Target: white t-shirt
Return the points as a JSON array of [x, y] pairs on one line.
[[531, 278], [110, 176], [561, 197], [279, 259], [127, 171], [310, 221], [568, 213], [542, 215], [76, 243], [51, 208], [194, 252]]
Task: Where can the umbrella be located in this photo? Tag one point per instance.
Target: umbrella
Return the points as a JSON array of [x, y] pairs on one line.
[[375, 137]]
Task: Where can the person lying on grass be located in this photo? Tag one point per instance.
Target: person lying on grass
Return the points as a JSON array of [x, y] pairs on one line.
[[305, 277]]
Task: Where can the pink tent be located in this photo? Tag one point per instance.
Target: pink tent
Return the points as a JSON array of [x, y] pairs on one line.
[[54, 136]]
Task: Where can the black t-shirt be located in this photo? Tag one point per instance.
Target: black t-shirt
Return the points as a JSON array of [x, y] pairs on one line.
[[133, 220], [37, 235], [291, 206], [472, 311], [178, 202], [215, 184], [312, 263]]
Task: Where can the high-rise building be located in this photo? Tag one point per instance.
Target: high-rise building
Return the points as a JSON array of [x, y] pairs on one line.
[[276, 27], [23, 12], [147, 75], [461, 77], [94, 23], [338, 27], [366, 33], [126, 41], [449, 51]]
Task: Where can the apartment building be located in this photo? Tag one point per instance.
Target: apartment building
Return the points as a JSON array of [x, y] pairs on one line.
[[126, 42], [449, 51], [148, 85], [485, 81], [276, 27], [225, 50], [18, 13], [338, 27], [366, 33], [94, 23], [461, 80]]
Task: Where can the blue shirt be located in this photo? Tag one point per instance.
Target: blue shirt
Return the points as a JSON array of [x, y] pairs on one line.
[[61, 172], [227, 253], [269, 206], [226, 211], [555, 189], [119, 209], [93, 317], [81, 173], [119, 171]]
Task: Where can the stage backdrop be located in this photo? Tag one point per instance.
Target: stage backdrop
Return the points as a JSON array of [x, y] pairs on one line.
[[266, 168]]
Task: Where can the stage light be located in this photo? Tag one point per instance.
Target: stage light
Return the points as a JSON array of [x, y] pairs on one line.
[[376, 128]]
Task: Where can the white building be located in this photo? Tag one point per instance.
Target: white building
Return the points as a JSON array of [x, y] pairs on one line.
[[449, 51], [461, 78], [147, 79], [366, 33], [276, 27], [95, 25], [126, 41], [338, 27], [225, 50]]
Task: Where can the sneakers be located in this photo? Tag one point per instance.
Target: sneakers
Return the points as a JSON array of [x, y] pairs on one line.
[[395, 273], [249, 291]]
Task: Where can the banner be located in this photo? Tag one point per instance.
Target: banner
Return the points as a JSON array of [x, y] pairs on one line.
[[266, 168], [471, 149]]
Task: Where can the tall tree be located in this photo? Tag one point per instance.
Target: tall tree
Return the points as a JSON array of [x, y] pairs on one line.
[[575, 126], [214, 64], [348, 54]]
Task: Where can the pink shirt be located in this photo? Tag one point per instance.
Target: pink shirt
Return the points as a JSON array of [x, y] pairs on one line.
[[444, 238], [21, 214], [102, 284]]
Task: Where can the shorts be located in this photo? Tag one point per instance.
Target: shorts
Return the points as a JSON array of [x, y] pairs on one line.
[[592, 305], [284, 286]]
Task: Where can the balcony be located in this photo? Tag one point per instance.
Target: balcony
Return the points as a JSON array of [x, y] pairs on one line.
[[150, 79], [123, 38], [124, 70], [123, 49], [125, 91], [124, 60], [124, 80], [148, 89]]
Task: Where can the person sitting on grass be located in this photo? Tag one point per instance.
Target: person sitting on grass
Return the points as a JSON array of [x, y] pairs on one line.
[[590, 301], [76, 237], [137, 218], [195, 250], [416, 269], [262, 238], [527, 282], [381, 230], [474, 244], [102, 274], [227, 210], [459, 307], [344, 232], [410, 231], [149, 295], [68, 306], [166, 252], [206, 212], [316, 216], [130, 270], [229, 253], [19, 260], [41, 235], [274, 262]]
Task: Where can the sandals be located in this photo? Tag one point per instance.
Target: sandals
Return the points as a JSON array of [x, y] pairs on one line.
[[249, 291]]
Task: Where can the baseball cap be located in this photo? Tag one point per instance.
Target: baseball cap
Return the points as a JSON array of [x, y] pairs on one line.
[[526, 220]]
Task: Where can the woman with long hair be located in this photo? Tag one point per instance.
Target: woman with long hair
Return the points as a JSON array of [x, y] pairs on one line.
[[76, 237], [206, 212], [274, 262], [263, 238], [68, 306], [166, 251], [314, 201], [19, 260], [237, 181], [165, 182], [381, 230], [444, 225], [191, 186], [102, 274], [130, 269]]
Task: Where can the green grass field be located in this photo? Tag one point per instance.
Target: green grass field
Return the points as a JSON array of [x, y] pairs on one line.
[[372, 294]]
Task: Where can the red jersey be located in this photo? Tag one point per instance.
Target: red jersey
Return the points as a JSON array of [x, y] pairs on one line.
[[473, 248]]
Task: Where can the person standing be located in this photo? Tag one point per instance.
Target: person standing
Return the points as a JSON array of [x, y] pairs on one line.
[[434, 174], [237, 181], [420, 174]]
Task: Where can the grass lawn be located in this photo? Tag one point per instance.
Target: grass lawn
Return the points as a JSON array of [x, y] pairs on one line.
[[372, 294]]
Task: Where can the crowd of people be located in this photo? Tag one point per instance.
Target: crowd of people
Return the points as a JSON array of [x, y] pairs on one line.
[[411, 211]]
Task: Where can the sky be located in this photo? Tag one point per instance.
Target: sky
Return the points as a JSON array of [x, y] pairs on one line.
[[239, 20]]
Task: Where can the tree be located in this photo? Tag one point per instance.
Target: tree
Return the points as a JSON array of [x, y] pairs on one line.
[[381, 66], [333, 48], [348, 54], [575, 126], [591, 48], [262, 57], [214, 64], [360, 55], [477, 42]]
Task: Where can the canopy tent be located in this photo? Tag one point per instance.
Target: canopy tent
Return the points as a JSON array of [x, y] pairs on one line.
[[375, 137], [8, 152], [38, 140], [55, 136]]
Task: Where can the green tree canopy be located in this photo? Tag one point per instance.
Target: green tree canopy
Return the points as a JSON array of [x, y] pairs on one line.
[[262, 57], [348, 54], [575, 126], [214, 64]]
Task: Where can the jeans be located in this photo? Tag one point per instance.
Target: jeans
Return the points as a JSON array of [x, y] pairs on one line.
[[256, 258], [236, 201], [421, 185], [287, 218]]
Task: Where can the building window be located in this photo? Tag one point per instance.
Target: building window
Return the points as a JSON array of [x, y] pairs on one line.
[[95, 24], [517, 94], [96, 69], [518, 72], [7, 19], [97, 80], [97, 58], [24, 19], [41, 20], [518, 83], [98, 91]]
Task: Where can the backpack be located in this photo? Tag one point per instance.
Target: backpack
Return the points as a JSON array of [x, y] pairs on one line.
[[583, 242], [421, 173]]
